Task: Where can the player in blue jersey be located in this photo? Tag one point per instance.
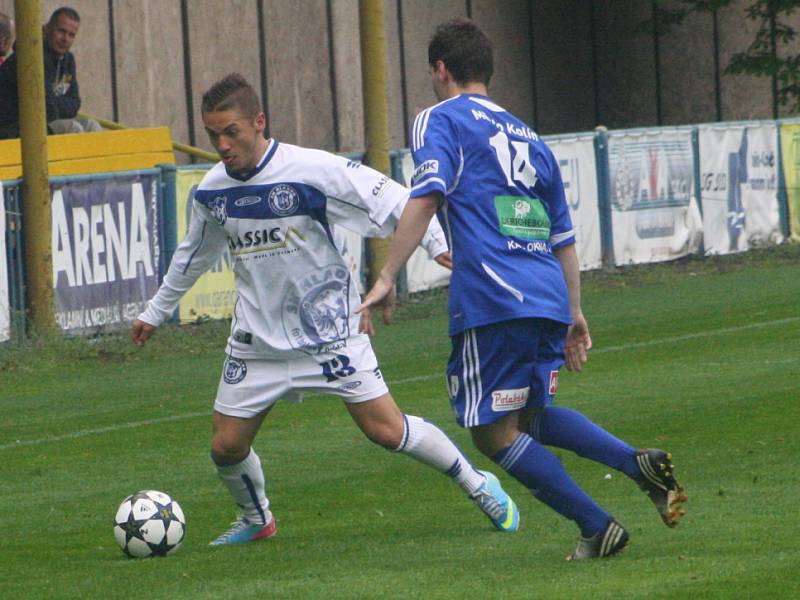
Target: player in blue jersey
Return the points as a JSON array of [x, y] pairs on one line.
[[515, 306], [293, 331]]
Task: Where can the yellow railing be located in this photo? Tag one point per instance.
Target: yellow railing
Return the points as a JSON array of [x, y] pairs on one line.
[[185, 148]]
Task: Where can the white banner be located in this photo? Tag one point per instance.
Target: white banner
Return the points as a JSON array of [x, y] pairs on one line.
[[739, 180], [579, 172], [422, 272], [654, 212], [5, 315]]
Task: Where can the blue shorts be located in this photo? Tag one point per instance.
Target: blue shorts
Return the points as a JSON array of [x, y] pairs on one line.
[[503, 367]]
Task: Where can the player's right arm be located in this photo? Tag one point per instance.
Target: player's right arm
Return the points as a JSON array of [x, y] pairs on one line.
[[412, 228], [200, 249], [438, 160]]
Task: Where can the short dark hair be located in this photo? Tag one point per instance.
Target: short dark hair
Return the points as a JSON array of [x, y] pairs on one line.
[[464, 49], [232, 92], [68, 12]]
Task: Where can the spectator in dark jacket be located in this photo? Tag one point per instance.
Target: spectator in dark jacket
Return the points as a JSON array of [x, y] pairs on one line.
[[62, 96]]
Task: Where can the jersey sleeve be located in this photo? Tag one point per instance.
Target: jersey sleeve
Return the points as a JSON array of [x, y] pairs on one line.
[[202, 246], [360, 198], [437, 153], [562, 232]]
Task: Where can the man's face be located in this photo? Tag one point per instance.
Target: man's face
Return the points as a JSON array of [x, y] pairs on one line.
[[61, 34], [238, 139], [8, 42]]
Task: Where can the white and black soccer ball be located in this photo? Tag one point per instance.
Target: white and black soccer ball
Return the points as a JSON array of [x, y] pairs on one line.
[[149, 523]]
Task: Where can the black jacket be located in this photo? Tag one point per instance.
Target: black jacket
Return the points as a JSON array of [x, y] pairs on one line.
[[62, 98]]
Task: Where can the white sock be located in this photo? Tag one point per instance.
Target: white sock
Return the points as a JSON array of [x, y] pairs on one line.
[[429, 444], [245, 481]]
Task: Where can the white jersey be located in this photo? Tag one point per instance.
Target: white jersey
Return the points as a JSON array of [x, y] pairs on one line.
[[295, 292]]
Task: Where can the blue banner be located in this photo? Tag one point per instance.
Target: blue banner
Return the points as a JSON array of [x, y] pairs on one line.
[[105, 249]]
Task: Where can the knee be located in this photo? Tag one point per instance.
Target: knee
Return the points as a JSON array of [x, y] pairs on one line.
[[388, 435], [491, 439], [228, 450], [90, 126], [485, 446]]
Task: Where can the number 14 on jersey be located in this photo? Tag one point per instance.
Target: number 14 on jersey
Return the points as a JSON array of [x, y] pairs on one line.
[[514, 157]]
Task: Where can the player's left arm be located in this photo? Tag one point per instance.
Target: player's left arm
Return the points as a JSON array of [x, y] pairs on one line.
[[578, 339], [562, 240]]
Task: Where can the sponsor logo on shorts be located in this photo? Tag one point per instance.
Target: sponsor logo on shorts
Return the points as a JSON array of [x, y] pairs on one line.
[[234, 370], [510, 399], [248, 200], [452, 386], [553, 383], [349, 386], [283, 200], [377, 372]]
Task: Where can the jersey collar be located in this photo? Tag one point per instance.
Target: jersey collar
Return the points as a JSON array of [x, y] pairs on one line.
[[268, 154]]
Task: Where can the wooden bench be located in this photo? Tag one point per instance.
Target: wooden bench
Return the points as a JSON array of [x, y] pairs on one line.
[[104, 151]]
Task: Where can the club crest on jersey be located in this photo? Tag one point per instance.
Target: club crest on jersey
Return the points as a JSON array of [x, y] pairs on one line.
[[316, 309], [219, 208], [283, 200], [234, 370], [553, 383], [503, 400]]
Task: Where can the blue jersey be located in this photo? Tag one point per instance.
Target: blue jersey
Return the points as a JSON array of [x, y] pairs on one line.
[[503, 209]]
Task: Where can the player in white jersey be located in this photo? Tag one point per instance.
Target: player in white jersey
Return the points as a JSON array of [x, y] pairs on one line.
[[514, 302], [294, 328]]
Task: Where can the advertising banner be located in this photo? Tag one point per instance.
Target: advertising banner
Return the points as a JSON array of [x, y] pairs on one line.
[[654, 214], [5, 314], [105, 249], [422, 272], [790, 150], [579, 173], [739, 180]]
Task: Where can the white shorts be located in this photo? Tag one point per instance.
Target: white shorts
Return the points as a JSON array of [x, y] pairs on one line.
[[247, 387]]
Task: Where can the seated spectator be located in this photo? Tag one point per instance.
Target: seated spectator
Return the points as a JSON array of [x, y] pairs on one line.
[[6, 37], [62, 97]]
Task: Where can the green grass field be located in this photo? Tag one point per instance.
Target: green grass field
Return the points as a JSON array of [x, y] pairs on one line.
[[699, 357]]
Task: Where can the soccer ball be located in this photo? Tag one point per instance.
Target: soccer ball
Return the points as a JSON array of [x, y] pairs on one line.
[[149, 523]]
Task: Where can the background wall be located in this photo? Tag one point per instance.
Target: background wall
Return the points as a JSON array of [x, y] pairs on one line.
[[562, 65]]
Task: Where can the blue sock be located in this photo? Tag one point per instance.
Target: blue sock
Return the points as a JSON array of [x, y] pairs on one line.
[[541, 472], [568, 429]]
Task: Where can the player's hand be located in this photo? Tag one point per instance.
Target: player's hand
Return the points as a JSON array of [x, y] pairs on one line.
[[383, 293], [141, 332], [445, 260], [578, 343]]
